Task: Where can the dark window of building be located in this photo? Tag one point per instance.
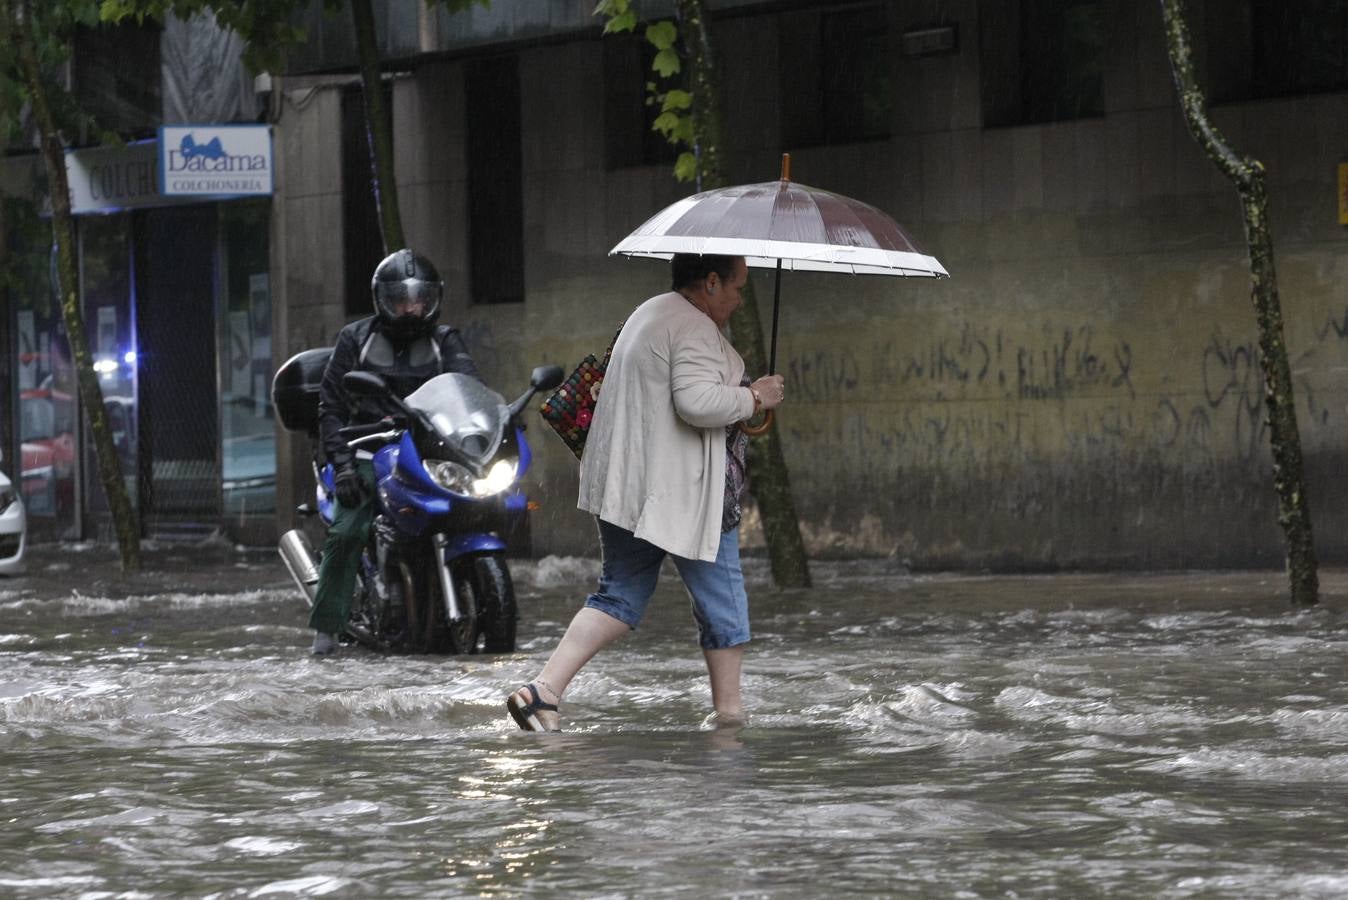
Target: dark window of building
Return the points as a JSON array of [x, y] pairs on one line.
[[362, 239], [495, 180], [835, 78], [1043, 61], [117, 79], [1298, 46], [629, 138]]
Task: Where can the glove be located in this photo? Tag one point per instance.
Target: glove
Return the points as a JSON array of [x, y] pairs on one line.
[[347, 487]]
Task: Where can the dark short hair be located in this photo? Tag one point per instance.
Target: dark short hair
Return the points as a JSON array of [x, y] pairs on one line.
[[686, 269]]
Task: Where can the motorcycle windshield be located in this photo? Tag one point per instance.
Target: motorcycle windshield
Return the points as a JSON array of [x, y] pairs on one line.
[[465, 412]]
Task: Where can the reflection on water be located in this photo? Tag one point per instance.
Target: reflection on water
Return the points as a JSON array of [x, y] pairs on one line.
[[944, 736]]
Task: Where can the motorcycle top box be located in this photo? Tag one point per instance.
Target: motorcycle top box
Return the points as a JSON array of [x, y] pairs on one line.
[[294, 389]]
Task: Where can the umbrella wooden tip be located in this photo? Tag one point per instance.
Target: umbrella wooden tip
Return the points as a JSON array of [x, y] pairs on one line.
[[786, 167]]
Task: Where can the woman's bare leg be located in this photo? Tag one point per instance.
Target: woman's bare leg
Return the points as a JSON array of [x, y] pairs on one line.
[[723, 668], [589, 632]]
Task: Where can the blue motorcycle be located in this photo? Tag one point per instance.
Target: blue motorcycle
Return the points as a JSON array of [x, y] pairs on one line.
[[447, 467]]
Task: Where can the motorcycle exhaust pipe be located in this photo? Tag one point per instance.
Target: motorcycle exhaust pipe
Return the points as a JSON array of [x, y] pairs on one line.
[[298, 556]]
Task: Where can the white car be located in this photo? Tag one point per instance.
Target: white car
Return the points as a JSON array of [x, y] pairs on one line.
[[13, 528]]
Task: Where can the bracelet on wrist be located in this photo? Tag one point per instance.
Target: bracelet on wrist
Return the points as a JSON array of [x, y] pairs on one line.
[[758, 401]]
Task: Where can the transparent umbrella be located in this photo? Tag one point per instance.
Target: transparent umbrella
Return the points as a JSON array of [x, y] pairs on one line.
[[783, 225]]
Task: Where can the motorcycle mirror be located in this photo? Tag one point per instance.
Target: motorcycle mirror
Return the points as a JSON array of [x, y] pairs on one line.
[[545, 378], [364, 384]]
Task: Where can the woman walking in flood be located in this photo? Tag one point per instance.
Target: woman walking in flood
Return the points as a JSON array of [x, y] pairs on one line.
[[663, 472]]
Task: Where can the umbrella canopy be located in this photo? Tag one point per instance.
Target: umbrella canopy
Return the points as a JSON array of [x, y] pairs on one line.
[[781, 222], [782, 225]]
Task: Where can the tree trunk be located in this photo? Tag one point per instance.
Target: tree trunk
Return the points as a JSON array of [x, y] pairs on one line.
[[63, 233], [769, 480], [379, 130], [1248, 176]]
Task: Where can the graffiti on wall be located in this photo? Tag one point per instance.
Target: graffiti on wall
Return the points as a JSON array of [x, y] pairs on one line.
[[975, 397], [1073, 362], [1069, 361]]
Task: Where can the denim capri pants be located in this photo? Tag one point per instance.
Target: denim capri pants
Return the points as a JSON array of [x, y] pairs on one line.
[[632, 569]]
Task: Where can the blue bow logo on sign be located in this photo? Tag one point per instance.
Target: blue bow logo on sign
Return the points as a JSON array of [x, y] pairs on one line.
[[212, 149]]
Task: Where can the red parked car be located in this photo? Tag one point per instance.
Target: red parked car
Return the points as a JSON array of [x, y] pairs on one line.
[[47, 433]]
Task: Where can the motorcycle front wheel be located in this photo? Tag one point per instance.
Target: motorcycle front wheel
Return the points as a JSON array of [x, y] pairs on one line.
[[486, 600], [453, 637], [496, 604]]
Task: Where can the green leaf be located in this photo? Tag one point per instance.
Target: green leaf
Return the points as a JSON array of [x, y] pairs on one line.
[[685, 167], [113, 10], [683, 134], [662, 34], [666, 123], [666, 63], [625, 22], [620, 15], [677, 100]]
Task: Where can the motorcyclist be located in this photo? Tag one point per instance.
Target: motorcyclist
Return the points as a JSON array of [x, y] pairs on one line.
[[401, 343]]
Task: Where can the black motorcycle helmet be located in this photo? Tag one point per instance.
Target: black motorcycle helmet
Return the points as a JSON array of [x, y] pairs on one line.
[[407, 291]]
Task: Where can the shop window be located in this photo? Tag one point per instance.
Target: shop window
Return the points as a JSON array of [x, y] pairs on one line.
[[1042, 61], [44, 466], [495, 180], [629, 136], [105, 287], [836, 86], [117, 77], [362, 237], [248, 438]]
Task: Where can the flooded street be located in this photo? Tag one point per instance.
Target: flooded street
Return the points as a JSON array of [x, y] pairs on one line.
[[910, 735]]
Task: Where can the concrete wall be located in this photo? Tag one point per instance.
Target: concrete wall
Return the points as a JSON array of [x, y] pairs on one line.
[[306, 255], [1083, 391]]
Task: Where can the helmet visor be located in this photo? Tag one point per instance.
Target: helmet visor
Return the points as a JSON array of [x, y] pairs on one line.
[[410, 297]]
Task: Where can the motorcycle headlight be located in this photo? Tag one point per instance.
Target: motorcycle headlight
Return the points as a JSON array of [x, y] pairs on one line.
[[449, 475], [500, 476], [7, 497], [453, 477]]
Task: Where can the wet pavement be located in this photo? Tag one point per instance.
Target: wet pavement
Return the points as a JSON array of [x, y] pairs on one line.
[[216, 566]]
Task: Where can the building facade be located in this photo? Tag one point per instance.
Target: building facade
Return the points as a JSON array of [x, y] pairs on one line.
[[1083, 391]]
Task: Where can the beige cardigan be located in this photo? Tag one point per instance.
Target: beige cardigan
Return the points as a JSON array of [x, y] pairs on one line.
[[654, 460]]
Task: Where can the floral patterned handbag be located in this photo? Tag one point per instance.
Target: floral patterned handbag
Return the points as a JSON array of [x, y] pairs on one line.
[[570, 409]]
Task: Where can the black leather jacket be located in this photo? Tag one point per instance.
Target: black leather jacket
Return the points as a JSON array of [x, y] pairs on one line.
[[362, 346]]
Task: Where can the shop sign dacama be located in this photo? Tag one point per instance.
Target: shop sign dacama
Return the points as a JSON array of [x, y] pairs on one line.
[[215, 160], [209, 162]]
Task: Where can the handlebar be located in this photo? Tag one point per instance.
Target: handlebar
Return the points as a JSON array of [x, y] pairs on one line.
[[385, 429], [366, 428], [378, 437]]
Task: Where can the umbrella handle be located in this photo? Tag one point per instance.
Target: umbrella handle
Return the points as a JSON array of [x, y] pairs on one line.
[[760, 428]]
